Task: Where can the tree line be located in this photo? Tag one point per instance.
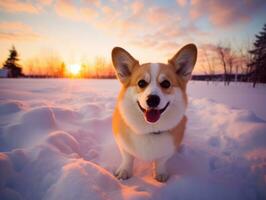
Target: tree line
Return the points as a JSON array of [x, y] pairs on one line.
[[50, 65], [226, 64], [246, 63]]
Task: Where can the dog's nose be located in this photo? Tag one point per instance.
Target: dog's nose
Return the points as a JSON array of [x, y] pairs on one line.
[[153, 101]]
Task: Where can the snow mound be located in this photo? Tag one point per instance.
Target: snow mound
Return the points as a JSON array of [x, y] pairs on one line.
[[39, 118], [65, 143], [10, 107], [5, 170], [28, 128], [84, 180], [64, 114]]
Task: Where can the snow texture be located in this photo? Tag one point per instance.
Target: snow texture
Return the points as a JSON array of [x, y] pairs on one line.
[[56, 143]]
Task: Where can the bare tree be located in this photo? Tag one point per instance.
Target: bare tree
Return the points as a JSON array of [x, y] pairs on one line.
[[230, 60], [46, 64], [221, 56], [99, 65], [210, 62], [241, 61], [227, 58], [102, 68], [209, 65]]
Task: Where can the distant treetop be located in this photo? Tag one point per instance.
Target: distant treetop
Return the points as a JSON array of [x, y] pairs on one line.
[[12, 64]]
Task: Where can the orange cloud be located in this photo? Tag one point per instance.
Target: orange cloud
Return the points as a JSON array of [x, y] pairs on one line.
[[14, 26], [67, 9], [137, 7], [93, 2], [182, 3], [226, 12], [45, 2], [14, 6], [16, 31], [157, 15]]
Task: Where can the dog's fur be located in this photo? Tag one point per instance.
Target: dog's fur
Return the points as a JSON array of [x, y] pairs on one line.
[[137, 136]]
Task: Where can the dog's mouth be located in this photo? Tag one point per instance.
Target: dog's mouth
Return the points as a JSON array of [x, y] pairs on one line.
[[153, 115]]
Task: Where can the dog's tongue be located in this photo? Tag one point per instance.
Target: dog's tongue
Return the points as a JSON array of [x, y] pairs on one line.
[[152, 115]]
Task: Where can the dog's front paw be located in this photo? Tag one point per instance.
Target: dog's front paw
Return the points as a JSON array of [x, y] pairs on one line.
[[122, 174], [161, 177]]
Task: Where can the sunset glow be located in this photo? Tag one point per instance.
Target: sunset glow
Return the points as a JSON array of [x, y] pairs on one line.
[[152, 31], [74, 69]]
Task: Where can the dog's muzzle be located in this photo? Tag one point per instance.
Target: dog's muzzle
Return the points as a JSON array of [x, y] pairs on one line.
[[152, 115]]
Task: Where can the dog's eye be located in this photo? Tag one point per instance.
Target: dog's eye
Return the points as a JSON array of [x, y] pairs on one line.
[[165, 84], [142, 83]]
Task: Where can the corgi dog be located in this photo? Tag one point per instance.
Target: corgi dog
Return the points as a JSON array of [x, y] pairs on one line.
[[149, 118]]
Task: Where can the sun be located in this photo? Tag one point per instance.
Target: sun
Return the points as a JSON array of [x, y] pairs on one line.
[[74, 69]]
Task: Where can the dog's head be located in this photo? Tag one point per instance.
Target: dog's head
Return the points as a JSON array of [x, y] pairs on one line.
[[153, 97]]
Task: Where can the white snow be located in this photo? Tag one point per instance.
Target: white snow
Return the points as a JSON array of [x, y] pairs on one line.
[[56, 143], [237, 95]]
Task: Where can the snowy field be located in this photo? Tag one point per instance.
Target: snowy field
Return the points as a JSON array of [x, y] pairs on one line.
[[56, 143]]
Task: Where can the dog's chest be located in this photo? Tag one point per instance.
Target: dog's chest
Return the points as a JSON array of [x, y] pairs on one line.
[[149, 146]]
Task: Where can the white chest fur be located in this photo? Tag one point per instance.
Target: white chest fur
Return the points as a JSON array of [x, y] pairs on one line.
[[148, 146]]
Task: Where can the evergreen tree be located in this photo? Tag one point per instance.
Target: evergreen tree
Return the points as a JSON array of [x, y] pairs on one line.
[[12, 64], [258, 62]]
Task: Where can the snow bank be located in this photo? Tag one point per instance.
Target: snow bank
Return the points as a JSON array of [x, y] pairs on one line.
[[237, 95], [56, 143]]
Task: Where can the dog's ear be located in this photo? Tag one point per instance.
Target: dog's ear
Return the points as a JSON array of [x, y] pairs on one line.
[[123, 63], [184, 61]]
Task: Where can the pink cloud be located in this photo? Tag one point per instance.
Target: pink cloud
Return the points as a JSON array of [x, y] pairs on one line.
[[107, 10], [156, 15], [17, 31], [14, 6], [67, 9], [169, 45], [93, 2], [14, 26], [45, 2], [137, 7], [182, 3], [226, 12]]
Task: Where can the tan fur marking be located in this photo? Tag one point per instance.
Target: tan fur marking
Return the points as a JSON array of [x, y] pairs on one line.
[[120, 128], [138, 74], [178, 131], [175, 80]]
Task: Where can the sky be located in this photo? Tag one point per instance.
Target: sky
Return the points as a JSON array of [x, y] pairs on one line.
[[152, 31]]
